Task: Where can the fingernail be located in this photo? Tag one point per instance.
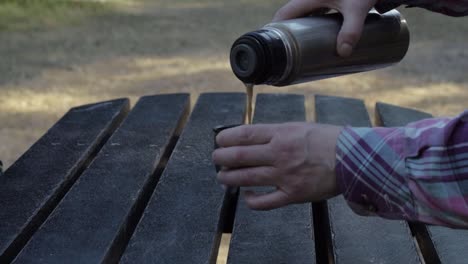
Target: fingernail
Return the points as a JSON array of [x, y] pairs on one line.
[[345, 50]]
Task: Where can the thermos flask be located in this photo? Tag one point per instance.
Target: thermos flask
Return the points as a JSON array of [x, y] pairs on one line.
[[304, 49]]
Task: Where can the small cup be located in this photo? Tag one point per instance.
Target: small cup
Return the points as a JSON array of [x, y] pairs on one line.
[[230, 190], [217, 130]]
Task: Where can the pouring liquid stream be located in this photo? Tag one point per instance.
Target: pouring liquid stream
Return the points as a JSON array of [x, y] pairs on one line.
[[249, 90]]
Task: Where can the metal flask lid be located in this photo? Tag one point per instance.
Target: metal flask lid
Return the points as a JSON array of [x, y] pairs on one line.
[[258, 57]]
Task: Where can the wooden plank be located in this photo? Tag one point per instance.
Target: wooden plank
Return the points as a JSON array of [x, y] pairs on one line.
[[450, 244], [37, 181], [283, 235], [358, 239], [182, 222], [393, 116], [94, 221]]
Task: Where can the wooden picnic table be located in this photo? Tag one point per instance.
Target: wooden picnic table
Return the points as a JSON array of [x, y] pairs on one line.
[[112, 184]]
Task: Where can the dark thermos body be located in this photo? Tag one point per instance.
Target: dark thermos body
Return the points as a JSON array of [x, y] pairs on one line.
[[301, 50]]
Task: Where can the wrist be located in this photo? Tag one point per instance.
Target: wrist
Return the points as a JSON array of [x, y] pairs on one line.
[[322, 145], [335, 132]]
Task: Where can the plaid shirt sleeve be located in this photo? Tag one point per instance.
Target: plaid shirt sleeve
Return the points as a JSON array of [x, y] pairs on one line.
[[447, 7], [418, 172]]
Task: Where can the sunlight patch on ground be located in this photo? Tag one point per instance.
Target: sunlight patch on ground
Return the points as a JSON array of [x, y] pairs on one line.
[[26, 101], [152, 75], [156, 68], [223, 249]]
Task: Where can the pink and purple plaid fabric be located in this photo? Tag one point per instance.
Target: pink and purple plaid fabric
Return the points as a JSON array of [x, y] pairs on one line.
[[447, 7], [418, 172]]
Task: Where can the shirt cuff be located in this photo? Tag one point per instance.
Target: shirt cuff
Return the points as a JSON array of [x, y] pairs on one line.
[[370, 172]]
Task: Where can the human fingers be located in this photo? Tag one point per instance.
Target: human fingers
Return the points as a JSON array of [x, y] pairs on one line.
[[254, 176], [245, 135], [266, 201], [243, 156], [297, 8], [351, 30]]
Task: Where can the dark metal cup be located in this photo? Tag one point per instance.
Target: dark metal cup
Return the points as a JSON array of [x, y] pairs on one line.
[[231, 192], [216, 131]]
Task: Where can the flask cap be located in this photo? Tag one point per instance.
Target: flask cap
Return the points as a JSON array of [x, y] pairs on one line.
[[258, 57]]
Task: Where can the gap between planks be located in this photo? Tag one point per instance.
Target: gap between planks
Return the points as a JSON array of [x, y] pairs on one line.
[[41, 216], [125, 233]]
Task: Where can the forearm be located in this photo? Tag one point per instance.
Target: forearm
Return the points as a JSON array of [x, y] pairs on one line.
[[418, 172], [447, 7]]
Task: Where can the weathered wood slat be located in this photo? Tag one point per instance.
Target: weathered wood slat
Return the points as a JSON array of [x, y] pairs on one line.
[[95, 218], [182, 222], [450, 245], [35, 183], [358, 239], [282, 235], [393, 116]]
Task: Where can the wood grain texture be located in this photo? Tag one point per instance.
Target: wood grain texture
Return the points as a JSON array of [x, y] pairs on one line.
[[88, 223], [282, 235], [32, 187], [183, 220], [358, 239]]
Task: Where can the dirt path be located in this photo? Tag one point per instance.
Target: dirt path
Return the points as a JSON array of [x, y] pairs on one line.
[[160, 47]]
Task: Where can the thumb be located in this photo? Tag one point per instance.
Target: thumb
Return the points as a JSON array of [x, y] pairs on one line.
[[350, 32]]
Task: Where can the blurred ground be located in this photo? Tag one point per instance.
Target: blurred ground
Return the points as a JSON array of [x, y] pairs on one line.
[[40, 14], [131, 49]]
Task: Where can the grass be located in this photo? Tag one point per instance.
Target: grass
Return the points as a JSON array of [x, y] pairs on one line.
[[33, 14]]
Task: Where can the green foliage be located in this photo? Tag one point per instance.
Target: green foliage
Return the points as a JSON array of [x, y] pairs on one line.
[[30, 14]]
